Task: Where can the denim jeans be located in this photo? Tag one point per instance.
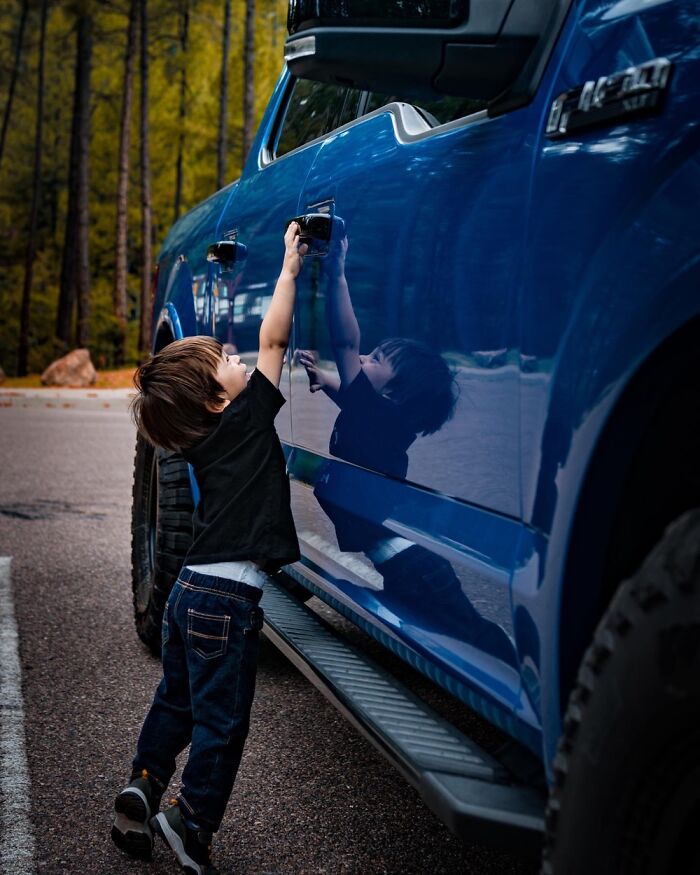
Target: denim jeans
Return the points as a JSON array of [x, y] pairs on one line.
[[211, 630]]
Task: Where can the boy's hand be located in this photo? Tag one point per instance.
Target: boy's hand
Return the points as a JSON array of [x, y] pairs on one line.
[[317, 377], [293, 251]]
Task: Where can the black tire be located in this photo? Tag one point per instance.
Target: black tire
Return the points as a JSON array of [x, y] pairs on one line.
[[161, 534], [626, 797]]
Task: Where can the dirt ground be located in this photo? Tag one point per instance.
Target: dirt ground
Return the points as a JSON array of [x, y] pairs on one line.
[[119, 379]]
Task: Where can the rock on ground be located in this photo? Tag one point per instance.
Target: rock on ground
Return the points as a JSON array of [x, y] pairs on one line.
[[73, 369]]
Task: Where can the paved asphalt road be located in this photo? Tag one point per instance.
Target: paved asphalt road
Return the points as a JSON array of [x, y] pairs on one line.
[[312, 795]]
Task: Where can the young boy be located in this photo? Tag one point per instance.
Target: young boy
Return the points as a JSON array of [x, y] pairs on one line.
[[197, 399]]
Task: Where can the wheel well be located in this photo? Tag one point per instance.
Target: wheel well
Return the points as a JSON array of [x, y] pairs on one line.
[[164, 336], [644, 473]]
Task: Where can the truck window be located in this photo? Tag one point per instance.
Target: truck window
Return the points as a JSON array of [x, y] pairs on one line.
[[437, 112], [314, 109]]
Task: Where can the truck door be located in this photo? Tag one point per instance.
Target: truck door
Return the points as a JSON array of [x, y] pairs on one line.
[[433, 206]]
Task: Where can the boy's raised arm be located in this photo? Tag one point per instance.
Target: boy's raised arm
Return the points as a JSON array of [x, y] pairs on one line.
[[342, 322], [277, 324]]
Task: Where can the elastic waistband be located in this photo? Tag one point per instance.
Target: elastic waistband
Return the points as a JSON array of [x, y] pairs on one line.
[[222, 584]]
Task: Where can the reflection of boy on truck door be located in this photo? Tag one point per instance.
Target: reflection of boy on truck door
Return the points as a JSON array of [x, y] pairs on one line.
[[401, 389]]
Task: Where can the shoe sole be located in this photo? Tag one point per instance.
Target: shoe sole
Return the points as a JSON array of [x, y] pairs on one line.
[[174, 842], [131, 831]]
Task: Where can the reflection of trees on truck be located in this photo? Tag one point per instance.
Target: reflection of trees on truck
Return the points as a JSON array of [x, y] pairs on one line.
[[237, 311]]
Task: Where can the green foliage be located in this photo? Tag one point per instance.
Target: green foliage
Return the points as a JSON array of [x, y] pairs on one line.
[[202, 65]]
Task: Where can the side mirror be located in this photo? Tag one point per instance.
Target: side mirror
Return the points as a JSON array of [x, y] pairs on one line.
[[492, 50]]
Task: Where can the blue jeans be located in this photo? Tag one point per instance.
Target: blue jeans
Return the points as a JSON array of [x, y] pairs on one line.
[[211, 631]]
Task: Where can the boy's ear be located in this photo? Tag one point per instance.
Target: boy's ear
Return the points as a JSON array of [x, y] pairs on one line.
[[216, 406]]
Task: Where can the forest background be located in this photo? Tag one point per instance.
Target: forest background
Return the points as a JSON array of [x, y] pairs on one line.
[[117, 117]]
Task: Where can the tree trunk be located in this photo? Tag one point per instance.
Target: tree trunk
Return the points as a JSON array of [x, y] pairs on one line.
[[145, 322], [120, 250], [66, 297], [13, 77], [184, 35], [82, 218], [223, 99], [23, 348], [249, 81]]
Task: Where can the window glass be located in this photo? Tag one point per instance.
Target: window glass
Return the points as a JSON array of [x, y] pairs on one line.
[[437, 112], [314, 109], [350, 107]]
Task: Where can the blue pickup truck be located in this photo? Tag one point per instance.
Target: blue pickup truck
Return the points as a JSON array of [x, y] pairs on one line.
[[501, 197]]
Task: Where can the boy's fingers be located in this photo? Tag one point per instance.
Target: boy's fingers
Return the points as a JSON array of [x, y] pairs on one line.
[[303, 249]]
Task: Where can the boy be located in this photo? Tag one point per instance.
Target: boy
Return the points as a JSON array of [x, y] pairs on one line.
[[197, 399]]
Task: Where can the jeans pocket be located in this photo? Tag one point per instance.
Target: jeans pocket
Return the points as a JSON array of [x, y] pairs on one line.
[[207, 634]]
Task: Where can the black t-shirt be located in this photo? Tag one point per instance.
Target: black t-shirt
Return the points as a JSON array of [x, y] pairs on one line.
[[244, 505], [369, 431]]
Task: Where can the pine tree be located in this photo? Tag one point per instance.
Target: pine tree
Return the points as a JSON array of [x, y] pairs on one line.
[[82, 275], [222, 143], [69, 261], [13, 76], [249, 80], [182, 115], [120, 253], [23, 348], [146, 258]]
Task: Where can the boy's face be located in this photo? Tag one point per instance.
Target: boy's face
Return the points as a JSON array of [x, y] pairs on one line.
[[231, 373], [378, 370]]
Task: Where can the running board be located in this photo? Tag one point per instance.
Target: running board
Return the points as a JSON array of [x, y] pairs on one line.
[[468, 789]]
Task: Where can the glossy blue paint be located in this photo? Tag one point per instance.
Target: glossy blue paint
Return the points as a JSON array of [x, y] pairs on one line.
[[541, 273], [442, 274], [606, 289], [184, 278], [434, 618]]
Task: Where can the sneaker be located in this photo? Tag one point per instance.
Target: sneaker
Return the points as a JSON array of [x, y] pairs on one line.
[[192, 847], [134, 807]]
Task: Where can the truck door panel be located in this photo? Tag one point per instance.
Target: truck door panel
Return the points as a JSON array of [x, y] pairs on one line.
[[433, 261]]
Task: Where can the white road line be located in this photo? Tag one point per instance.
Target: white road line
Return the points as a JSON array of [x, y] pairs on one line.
[[16, 838]]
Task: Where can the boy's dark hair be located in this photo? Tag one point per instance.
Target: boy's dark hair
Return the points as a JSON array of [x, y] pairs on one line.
[[174, 388], [423, 385]]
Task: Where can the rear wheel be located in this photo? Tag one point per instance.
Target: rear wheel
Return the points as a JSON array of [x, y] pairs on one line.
[[625, 798], [161, 534]]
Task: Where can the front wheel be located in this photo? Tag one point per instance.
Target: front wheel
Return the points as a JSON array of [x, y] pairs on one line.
[[625, 798], [161, 534]]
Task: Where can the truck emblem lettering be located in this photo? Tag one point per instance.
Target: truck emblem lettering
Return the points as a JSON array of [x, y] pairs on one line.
[[632, 91]]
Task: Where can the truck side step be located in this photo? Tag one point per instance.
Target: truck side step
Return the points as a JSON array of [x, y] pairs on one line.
[[467, 788]]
